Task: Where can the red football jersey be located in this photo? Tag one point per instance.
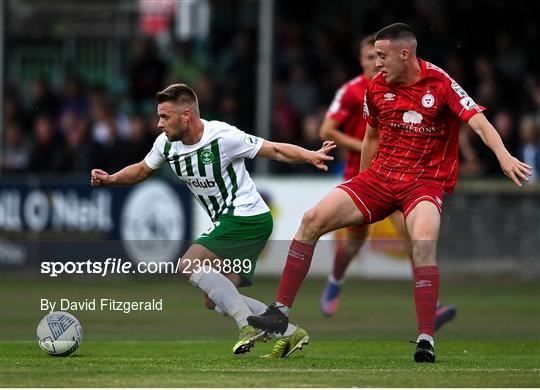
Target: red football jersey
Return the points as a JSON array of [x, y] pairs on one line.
[[419, 125], [346, 108]]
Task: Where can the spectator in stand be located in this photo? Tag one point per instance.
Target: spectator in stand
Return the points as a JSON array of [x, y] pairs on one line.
[[141, 140], [48, 153], [301, 91], [147, 74], [73, 103], [84, 152], [529, 148], [228, 108], [205, 88], [103, 114], [43, 100], [16, 153], [12, 111], [115, 151], [284, 118]]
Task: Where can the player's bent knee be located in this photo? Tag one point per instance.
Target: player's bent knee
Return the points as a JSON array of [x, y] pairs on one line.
[[311, 224]]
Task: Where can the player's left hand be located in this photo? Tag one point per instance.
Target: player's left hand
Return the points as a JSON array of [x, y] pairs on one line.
[[516, 170], [320, 157]]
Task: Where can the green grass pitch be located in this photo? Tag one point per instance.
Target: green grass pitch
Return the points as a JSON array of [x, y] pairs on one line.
[[494, 341]]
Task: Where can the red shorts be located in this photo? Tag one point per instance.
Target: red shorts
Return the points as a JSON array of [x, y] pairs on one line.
[[355, 229], [377, 196]]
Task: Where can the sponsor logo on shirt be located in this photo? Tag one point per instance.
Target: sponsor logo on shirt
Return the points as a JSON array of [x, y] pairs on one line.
[[457, 88], [412, 121], [467, 103], [389, 97], [412, 117], [428, 100], [201, 183], [250, 140]]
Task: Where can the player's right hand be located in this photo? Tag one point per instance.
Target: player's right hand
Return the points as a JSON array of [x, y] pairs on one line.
[[99, 177]]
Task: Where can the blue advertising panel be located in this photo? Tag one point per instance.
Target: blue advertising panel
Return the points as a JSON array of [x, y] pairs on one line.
[[65, 219]]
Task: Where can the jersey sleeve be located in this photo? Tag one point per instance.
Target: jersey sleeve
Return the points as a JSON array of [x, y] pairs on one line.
[[459, 102], [341, 106], [239, 144], [155, 158], [370, 111]]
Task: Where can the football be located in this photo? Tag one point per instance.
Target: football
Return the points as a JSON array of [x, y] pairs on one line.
[[59, 333]]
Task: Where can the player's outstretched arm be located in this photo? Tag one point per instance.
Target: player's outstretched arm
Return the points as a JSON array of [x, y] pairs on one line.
[[511, 166], [131, 174], [369, 147], [293, 154], [330, 132]]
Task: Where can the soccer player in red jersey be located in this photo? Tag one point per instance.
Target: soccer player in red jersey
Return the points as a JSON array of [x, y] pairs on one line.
[[345, 124], [409, 159]]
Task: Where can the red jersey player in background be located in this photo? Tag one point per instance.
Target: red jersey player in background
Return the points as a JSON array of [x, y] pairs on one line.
[[409, 159], [345, 124]]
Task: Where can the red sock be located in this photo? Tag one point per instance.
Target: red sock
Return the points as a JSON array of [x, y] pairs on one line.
[[426, 294], [341, 262], [295, 271]]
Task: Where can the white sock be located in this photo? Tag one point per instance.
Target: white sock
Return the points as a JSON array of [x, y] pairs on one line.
[[333, 280], [218, 309], [224, 294], [290, 330], [425, 336], [284, 309], [257, 308]]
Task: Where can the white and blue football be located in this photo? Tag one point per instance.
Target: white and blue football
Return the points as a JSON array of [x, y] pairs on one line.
[[59, 333]]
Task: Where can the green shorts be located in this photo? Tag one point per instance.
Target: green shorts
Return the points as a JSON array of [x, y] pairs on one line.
[[240, 240]]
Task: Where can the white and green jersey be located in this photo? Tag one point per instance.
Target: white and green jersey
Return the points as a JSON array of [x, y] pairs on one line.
[[213, 169]]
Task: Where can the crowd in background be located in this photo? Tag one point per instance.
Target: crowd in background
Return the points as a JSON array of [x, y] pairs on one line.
[[81, 125]]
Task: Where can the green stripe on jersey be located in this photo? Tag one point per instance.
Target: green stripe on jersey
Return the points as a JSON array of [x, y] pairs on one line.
[[216, 166], [166, 149], [215, 206], [189, 167], [201, 198], [200, 164], [232, 175], [177, 168]]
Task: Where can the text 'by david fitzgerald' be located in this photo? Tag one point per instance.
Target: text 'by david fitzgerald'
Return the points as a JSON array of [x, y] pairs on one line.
[[101, 304]]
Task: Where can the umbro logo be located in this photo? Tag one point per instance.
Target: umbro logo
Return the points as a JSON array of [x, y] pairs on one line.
[[389, 97], [423, 283]]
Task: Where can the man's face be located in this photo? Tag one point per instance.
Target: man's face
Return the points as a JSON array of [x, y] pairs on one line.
[[368, 60], [390, 60], [173, 120]]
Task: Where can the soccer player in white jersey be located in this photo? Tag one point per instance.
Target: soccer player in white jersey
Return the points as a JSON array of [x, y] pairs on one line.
[[208, 156]]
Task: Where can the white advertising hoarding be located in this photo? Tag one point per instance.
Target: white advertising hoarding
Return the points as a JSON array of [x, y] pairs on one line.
[[288, 199]]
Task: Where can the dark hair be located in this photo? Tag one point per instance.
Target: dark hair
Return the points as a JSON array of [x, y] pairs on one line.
[[367, 41], [180, 93], [395, 31]]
